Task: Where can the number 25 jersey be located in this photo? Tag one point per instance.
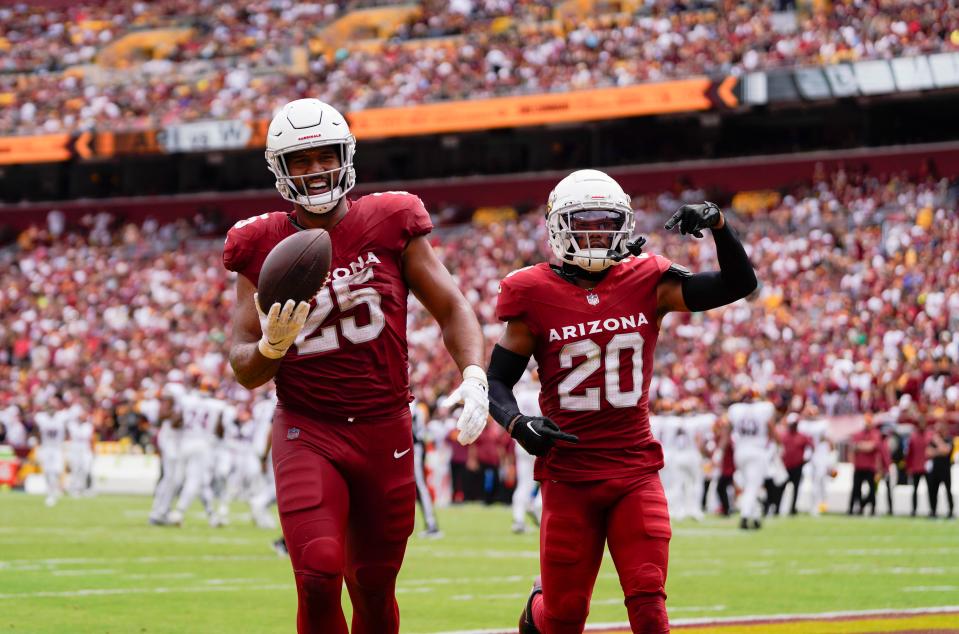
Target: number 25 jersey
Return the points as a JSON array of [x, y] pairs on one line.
[[350, 359], [595, 354]]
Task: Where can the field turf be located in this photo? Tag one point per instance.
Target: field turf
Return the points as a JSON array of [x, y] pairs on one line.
[[94, 565]]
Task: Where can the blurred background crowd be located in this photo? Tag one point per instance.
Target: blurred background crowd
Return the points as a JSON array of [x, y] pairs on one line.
[[114, 65], [856, 311]]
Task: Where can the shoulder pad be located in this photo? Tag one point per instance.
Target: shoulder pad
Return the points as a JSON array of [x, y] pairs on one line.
[[679, 270]]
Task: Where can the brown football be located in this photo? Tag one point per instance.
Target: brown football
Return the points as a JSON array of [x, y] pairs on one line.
[[296, 268]]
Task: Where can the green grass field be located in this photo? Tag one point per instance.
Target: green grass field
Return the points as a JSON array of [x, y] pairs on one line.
[[94, 565]]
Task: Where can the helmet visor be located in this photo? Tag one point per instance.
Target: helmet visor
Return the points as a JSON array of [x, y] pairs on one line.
[[595, 228]]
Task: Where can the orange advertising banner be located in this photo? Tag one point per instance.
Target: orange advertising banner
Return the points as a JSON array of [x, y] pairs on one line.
[[47, 148], [686, 95]]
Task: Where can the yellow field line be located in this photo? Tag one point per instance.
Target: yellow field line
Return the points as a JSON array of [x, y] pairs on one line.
[[925, 622]]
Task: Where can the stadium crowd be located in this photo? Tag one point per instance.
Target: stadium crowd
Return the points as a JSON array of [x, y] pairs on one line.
[[858, 308], [239, 53]]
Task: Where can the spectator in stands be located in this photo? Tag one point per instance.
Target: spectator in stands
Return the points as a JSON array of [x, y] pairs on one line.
[[865, 445], [239, 52]]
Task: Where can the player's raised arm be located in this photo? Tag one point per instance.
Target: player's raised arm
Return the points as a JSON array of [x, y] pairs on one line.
[[434, 287], [735, 279], [261, 340], [510, 357]]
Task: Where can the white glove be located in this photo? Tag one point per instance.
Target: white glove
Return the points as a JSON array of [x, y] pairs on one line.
[[473, 393], [280, 327]]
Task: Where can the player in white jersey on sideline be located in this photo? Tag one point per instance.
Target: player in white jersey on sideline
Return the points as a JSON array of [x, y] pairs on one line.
[[80, 453], [822, 464], [246, 479], [201, 415], [261, 440], [752, 427], [664, 428], [11, 417], [52, 432], [170, 421], [223, 464], [688, 468], [526, 498], [420, 416]]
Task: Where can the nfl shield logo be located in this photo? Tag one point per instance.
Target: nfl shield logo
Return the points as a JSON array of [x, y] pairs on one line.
[[293, 433], [592, 298]]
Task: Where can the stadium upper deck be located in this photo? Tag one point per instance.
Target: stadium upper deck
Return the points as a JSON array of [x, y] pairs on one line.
[[117, 66]]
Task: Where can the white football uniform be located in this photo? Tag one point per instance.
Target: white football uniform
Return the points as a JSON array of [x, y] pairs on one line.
[[224, 458], [201, 413], [16, 431], [80, 456], [820, 464], [687, 480], [171, 470], [53, 434], [524, 501], [423, 495], [663, 429], [265, 496], [750, 427]]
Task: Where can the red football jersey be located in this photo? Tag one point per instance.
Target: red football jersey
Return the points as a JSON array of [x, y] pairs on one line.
[[350, 359], [595, 354]]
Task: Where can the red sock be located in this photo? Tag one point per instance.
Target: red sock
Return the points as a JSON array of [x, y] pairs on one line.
[[539, 618]]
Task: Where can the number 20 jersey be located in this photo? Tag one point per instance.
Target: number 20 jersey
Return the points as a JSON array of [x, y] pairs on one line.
[[350, 359], [595, 354]]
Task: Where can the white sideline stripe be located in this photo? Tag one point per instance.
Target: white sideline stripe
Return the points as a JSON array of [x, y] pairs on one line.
[[96, 592], [83, 573], [599, 627], [163, 575], [930, 588], [872, 552], [13, 563], [155, 539]]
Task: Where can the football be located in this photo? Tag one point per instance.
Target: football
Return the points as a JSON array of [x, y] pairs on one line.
[[296, 268]]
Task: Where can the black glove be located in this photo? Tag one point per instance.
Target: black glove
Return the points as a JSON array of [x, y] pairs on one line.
[[692, 218], [632, 248], [536, 434]]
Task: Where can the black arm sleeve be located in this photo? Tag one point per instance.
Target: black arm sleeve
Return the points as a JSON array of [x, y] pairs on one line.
[[734, 280], [505, 370]]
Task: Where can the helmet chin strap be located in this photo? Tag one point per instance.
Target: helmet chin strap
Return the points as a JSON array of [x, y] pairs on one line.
[[571, 272], [325, 211]]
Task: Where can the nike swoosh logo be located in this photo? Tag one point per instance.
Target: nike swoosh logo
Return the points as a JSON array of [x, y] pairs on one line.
[[400, 454]]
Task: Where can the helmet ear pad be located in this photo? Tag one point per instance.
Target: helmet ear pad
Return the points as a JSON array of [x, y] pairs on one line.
[[305, 124], [586, 191]]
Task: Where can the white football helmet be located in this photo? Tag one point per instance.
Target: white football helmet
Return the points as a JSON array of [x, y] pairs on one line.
[[304, 124], [586, 206]]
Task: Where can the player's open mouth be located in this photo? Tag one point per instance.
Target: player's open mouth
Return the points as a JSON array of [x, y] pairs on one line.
[[319, 187]]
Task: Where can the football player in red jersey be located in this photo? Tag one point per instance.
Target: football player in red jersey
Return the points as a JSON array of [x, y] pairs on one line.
[[342, 437], [592, 324]]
